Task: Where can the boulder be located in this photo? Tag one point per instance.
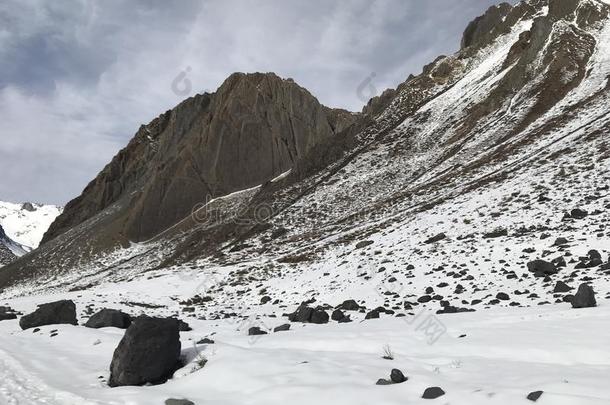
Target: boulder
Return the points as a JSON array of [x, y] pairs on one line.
[[307, 314], [584, 297], [256, 331], [52, 313], [173, 401], [349, 305], [533, 396], [7, 313], [435, 238], [433, 393], [109, 318], [541, 267], [337, 315], [148, 353], [282, 328], [561, 287], [397, 376]]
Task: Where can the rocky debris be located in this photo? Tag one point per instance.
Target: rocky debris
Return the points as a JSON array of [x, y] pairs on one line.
[[374, 314], [256, 331], [502, 296], [205, 341], [577, 213], [282, 328], [52, 313], [307, 314], [349, 305], [7, 313], [183, 326], [561, 287], [337, 315], [435, 238], [560, 241], [496, 233], [535, 395], [584, 297], [541, 268], [433, 393], [27, 206], [148, 353], [172, 401], [363, 244], [109, 318], [396, 377]]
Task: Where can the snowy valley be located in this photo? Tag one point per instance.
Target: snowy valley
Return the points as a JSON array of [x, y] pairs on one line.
[[448, 245]]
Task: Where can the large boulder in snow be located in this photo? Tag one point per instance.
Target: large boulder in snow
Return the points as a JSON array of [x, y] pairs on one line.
[[52, 313], [109, 318], [584, 297], [148, 353]]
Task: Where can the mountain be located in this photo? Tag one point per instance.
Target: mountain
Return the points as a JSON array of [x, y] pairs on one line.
[[26, 223], [9, 249], [525, 94], [453, 223], [251, 130]]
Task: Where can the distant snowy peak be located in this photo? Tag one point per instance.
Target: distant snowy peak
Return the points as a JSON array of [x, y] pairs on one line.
[[26, 223]]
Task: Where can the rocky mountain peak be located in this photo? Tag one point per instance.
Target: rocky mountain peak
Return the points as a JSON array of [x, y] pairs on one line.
[[252, 129]]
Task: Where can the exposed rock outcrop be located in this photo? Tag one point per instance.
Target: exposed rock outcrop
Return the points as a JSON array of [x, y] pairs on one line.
[[251, 130]]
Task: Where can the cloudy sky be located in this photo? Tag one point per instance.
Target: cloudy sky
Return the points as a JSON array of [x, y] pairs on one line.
[[78, 77]]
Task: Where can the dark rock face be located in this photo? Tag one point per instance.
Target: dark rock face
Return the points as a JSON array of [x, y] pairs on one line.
[[584, 297], [251, 130], [482, 27], [109, 318], [433, 393], [6, 254], [148, 353], [52, 313]]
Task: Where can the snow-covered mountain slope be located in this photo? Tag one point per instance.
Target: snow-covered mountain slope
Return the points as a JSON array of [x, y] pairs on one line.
[[9, 249], [26, 223]]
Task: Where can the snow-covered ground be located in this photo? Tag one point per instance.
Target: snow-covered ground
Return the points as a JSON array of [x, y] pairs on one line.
[[27, 227], [496, 356]]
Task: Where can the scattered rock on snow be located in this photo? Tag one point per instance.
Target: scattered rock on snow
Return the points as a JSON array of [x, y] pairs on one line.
[[435, 238], [397, 376], [256, 331], [109, 318], [172, 401], [433, 393], [584, 297], [540, 268], [52, 313], [282, 328], [533, 396]]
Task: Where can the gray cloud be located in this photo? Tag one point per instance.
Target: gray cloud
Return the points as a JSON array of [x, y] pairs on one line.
[[78, 78]]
